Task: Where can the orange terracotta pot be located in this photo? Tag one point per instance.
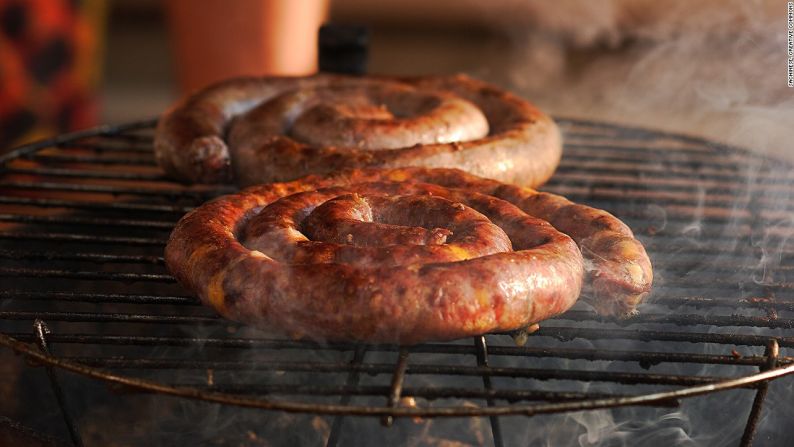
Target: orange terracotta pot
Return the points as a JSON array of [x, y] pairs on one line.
[[217, 39]]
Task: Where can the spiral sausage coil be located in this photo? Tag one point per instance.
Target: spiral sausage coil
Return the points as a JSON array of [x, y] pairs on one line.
[[276, 129], [403, 256]]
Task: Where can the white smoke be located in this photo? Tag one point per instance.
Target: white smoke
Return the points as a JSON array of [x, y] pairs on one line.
[[709, 68]]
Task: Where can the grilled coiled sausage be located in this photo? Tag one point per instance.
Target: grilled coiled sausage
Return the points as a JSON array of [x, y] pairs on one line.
[[402, 255], [256, 130]]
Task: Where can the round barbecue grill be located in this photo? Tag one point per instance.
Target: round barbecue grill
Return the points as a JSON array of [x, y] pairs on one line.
[[84, 218]]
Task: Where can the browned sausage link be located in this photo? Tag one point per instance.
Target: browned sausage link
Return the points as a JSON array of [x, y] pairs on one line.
[[618, 268], [285, 128], [274, 230], [189, 140], [357, 220], [245, 256]]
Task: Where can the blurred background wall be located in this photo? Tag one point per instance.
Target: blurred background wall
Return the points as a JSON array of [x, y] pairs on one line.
[[714, 68]]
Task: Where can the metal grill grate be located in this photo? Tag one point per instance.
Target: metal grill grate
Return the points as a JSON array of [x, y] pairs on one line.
[[84, 217]]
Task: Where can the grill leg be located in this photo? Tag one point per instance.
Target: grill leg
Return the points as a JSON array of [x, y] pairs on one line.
[[396, 388], [771, 353], [41, 331], [482, 360], [352, 379]]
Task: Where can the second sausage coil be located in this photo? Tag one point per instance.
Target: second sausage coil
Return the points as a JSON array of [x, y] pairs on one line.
[[256, 130]]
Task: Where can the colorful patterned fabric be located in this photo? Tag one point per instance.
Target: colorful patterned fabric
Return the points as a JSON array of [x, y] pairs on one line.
[[49, 67]]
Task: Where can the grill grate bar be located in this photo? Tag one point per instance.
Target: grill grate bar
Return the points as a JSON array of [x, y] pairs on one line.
[[85, 238], [701, 302], [727, 268], [93, 159], [510, 395], [704, 163], [83, 221], [104, 147], [80, 173], [85, 275], [171, 192], [638, 170], [399, 371], [89, 257], [708, 203], [570, 333], [143, 134], [675, 244], [728, 284], [681, 215], [628, 182], [634, 151], [98, 206], [624, 133], [110, 317], [636, 155], [644, 358], [683, 320], [98, 297], [113, 131]]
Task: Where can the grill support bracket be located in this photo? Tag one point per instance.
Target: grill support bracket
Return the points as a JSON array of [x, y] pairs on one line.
[[771, 353], [41, 330]]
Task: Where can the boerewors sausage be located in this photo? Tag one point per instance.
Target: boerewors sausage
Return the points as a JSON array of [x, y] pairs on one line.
[[402, 255], [273, 129]]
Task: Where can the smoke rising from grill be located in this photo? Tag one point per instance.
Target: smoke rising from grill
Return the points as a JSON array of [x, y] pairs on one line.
[[713, 69]]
